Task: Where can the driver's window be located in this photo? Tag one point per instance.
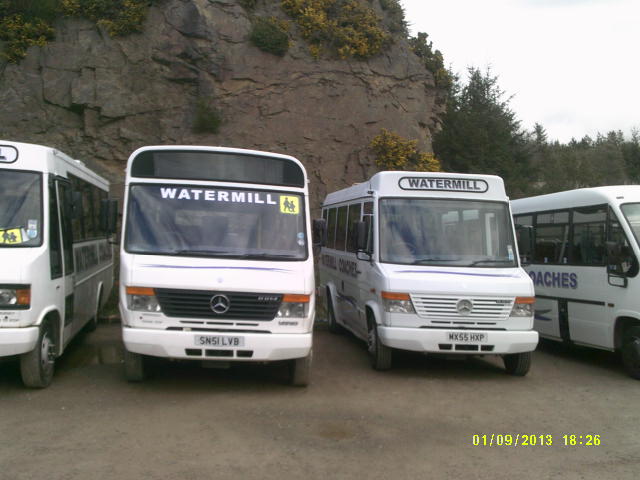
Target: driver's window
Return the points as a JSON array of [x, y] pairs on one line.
[[625, 263]]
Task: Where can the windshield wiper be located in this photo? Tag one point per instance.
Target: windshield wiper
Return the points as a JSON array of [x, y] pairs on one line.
[[225, 253], [488, 260], [429, 260]]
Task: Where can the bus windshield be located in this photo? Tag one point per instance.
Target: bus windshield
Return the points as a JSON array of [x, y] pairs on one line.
[[20, 209], [463, 233], [212, 222]]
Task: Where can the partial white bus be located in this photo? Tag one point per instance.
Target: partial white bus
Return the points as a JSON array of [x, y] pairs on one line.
[[57, 262], [584, 265], [216, 263], [427, 262]]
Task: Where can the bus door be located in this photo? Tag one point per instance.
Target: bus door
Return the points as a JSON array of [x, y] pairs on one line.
[[66, 212]]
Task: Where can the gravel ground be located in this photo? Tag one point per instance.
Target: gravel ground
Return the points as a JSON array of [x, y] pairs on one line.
[[415, 421]]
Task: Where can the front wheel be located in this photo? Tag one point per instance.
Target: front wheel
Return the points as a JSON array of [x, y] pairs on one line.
[[37, 365], [134, 366], [380, 355], [631, 352], [300, 371], [517, 364]]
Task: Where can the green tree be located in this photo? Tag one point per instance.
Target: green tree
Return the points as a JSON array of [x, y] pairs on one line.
[[481, 134]]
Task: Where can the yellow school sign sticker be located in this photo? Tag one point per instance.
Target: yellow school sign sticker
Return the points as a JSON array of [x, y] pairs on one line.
[[11, 236], [289, 205]]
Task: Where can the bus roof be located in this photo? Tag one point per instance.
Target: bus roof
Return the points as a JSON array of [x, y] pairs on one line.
[[40, 158], [423, 184], [613, 195]]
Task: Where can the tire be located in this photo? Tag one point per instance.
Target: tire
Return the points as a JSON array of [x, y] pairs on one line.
[[300, 371], [380, 355], [37, 366], [134, 366], [334, 327], [517, 364], [631, 352]]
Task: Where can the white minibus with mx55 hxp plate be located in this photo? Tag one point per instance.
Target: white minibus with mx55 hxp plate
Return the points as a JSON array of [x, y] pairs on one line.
[[427, 262]]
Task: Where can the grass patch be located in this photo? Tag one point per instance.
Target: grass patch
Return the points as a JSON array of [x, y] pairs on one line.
[[270, 35]]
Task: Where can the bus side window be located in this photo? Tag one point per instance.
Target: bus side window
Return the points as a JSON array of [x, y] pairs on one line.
[[55, 249], [352, 234], [588, 241], [341, 228], [524, 232], [552, 238], [331, 228]]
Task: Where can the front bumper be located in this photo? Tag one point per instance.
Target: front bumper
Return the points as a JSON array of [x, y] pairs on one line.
[[432, 340], [16, 341], [171, 344]]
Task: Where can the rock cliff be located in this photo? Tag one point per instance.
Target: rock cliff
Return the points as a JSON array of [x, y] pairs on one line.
[[98, 98]]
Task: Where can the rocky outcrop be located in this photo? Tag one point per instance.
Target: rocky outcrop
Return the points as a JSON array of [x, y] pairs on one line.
[[98, 98]]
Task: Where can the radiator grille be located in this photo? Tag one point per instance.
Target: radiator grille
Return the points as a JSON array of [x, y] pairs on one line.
[[445, 308], [196, 304]]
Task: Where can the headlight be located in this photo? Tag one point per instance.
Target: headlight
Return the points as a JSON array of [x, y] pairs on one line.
[[397, 302], [523, 307], [294, 306], [142, 299], [15, 297]]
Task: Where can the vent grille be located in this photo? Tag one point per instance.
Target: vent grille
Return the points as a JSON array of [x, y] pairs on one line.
[[445, 308], [196, 304]]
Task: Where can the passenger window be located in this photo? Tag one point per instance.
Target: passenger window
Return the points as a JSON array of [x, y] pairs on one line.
[[588, 245], [354, 216], [331, 228], [55, 250], [552, 238], [341, 228]]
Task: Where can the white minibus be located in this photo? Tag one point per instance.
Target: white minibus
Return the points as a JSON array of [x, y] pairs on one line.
[[427, 262], [57, 262], [581, 247], [216, 263]]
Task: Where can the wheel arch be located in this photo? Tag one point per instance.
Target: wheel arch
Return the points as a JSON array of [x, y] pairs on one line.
[[52, 314]]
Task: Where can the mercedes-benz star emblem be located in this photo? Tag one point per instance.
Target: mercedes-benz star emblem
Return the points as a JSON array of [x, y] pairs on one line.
[[219, 304], [464, 307]]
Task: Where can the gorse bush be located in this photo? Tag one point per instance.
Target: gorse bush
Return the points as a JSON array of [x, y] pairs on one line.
[[394, 152], [395, 15], [20, 34], [119, 17], [433, 60], [24, 23], [270, 35], [346, 28]]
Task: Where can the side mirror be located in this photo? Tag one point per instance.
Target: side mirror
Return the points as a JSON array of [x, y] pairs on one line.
[[320, 232], [524, 234], [109, 216], [361, 236]]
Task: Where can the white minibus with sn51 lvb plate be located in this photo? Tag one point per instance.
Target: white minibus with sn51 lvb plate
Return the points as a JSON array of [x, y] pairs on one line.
[[57, 261], [427, 262], [215, 262]]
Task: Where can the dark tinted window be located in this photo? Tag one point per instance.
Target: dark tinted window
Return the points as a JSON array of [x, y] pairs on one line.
[[331, 228], [588, 245], [55, 247], [341, 228], [230, 167], [354, 216], [552, 238]]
